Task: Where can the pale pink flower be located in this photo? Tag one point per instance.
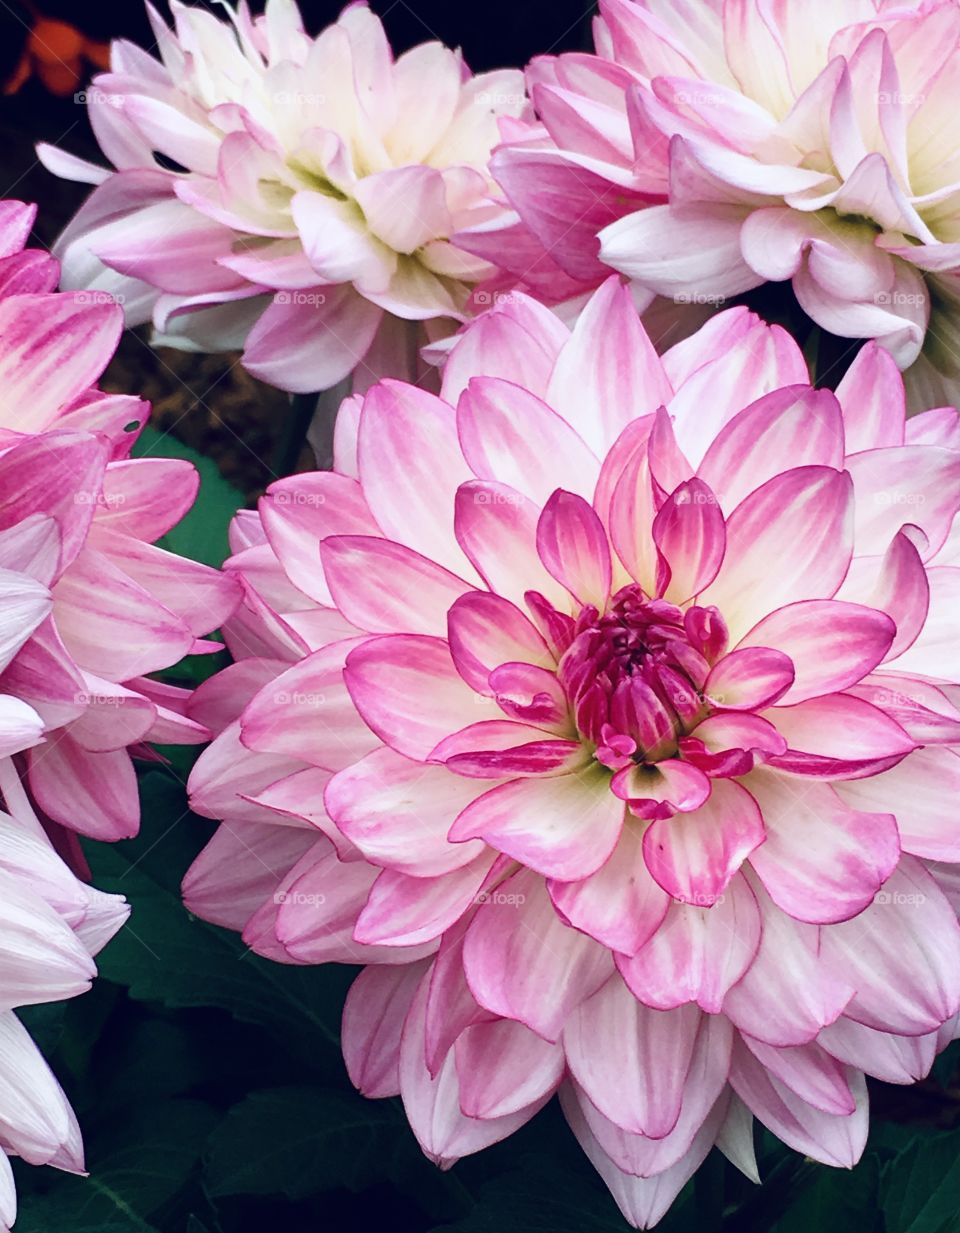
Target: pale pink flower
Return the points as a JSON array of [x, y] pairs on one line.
[[606, 707], [51, 926], [96, 608], [88, 608], [316, 183], [813, 143]]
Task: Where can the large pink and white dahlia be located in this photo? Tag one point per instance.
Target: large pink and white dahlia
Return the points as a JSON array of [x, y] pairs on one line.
[[304, 195], [96, 606], [815, 143], [605, 708]]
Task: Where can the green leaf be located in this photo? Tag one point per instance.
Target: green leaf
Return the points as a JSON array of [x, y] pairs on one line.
[[202, 534], [298, 1141], [539, 1197], [921, 1187], [837, 1199], [165, 955], [145, 1165]]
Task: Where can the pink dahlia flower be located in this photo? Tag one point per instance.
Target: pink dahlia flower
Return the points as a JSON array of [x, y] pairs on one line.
[[605, 708], [95, 607], [784, 142], [306, 195]]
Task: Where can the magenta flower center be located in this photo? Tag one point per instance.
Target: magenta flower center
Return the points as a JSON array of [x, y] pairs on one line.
[[635, 675]]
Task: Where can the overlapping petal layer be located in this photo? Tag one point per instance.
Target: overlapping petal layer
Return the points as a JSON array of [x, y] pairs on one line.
[[290, 195], [584, 704], [89, 607], [705, 149]]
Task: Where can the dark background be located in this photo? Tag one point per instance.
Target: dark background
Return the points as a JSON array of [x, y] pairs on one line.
[[492, 33]]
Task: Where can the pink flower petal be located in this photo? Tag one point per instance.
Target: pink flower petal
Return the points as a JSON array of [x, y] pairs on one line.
[[373, 1016], [749, 678], [831, 643], [511, 436], [828, 1137], [403, 911], [432, 1103], [306, 713], [523, 963], [388, 678], [573, 546], [895, 584], [620, 905], [901, 954], [919, 791], [809, 1071], [791, 427], [697, 953], [411, 465], [872, 399], [690, 535], [694, 855], [496, 526], [822, 861], [816, 503], [564, 827], [302, 347], [486, 631], [503, 1067], [837, 737], [386, 588], [787, 994], [630, 1060], [608, 373]]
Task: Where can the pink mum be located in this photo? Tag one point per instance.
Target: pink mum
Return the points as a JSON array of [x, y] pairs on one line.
[[591, 704], [316, 183]]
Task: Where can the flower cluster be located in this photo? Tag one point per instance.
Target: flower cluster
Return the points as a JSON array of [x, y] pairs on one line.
[[290, 195], [714, 147], [88, 608], [604, 707]]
